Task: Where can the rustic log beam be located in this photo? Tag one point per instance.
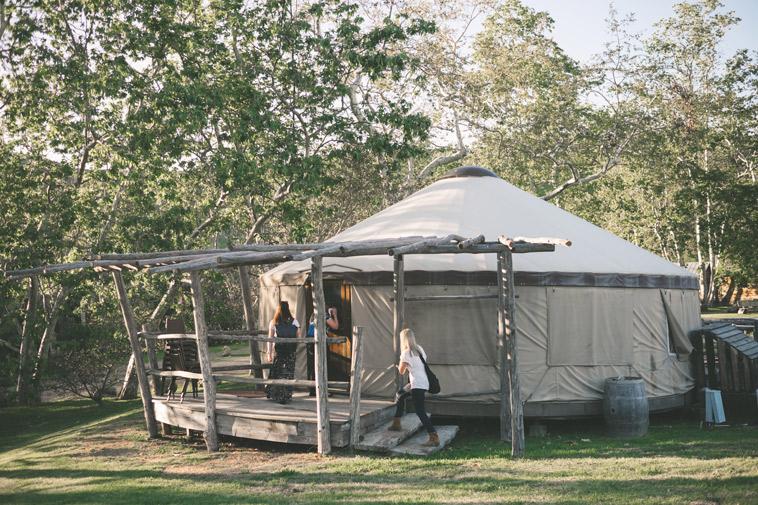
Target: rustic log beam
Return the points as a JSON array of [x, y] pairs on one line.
[[421, 245], [131, 332], [211, 333], [486, 248], [254, 258], [195, 375], [246, 379], [229, 368], [250, 319], [398, 292], [534, 240], [203, 354], [175, 373], [358, 248], [527, 245], [503, 363], [196, 252], [241, 337], [463, 244], [196, 265], [356, 372], [322, 406], [47, 269], [517, 407], [166, 260]]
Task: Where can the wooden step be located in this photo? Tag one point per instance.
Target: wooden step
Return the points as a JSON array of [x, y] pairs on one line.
[[413, 447], [382, 440]]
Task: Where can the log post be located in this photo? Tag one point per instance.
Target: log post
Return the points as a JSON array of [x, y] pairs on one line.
[[247, 306], [517, 408], [152, 358], [131, 332], [398, 292], [724, 377], [203, 354], [699, 363], [322, 406], [711, 357], [356, 372], [503, 363]]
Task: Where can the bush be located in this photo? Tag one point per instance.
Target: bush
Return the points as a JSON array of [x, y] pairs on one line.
[[88, 366]]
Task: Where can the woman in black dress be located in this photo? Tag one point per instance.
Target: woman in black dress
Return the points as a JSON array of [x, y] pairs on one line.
[[282, 355]]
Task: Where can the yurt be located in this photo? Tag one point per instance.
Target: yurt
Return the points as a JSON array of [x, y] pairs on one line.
[[598, 309]]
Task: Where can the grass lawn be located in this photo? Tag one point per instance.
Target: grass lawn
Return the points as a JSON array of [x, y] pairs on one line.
[[724, 313], [76, 452]]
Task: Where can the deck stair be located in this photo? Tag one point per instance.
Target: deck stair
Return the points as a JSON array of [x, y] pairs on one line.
[[408, 441]]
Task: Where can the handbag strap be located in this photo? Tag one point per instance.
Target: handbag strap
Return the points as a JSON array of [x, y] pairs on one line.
[[420, 355]]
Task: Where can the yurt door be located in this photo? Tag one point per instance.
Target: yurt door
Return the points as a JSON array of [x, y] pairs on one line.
[[337, 296]]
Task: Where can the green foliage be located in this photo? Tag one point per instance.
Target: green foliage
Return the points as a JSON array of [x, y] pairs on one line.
[[139, 126], [89, 365]]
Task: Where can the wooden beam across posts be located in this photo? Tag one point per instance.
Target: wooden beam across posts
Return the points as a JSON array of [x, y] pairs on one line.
[[322, 405], [356, 372], [398, 292], [423, 245], [534, 240], [250, 324], [131, 332], [517, 408], [203, 354], [463, 244], [238, 336], [504, 364]]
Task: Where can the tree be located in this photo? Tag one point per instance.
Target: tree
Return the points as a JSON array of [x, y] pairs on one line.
[[695, 154], [139, 126]]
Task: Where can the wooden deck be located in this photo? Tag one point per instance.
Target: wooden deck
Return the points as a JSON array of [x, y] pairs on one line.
[[262, 419]]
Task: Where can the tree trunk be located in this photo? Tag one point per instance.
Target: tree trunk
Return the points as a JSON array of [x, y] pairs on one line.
[[129, 384], [738, 295], [729, 291], [48, 338], [24, 371]]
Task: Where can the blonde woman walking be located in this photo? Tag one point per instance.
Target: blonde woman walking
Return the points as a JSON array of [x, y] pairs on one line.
[[411, 362]]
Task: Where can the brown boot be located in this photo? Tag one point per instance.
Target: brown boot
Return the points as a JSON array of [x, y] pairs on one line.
[[395, 426], [434, 440]]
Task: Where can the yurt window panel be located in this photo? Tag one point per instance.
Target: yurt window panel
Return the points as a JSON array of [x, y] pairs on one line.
[[589, 326], [455, 332]]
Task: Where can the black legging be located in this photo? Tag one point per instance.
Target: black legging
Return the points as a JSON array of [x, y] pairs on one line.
[[418, 404]]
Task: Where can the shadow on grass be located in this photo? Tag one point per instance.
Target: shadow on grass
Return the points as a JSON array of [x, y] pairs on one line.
[[20, 426], [674, 435], [292, 486]]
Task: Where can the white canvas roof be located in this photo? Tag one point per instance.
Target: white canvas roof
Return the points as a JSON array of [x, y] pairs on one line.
[[472, 205]]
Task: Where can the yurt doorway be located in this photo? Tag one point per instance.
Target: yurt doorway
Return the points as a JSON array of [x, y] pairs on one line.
[[336, 295]]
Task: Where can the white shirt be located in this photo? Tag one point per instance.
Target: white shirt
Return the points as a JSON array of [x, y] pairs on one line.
[[416, 370]]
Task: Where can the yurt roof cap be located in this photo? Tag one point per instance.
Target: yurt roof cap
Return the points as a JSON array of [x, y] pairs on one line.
[[469, 171]]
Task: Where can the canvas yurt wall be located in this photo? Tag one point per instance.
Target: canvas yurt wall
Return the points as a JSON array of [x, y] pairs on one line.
[[601, 308]]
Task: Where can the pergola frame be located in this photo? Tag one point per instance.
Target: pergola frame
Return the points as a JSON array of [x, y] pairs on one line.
[[194, 262]]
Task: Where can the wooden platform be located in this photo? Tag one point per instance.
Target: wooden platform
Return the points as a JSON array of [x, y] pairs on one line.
[[263, 419]]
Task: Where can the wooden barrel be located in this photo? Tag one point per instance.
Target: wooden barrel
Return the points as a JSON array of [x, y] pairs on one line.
[[625, 407]]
